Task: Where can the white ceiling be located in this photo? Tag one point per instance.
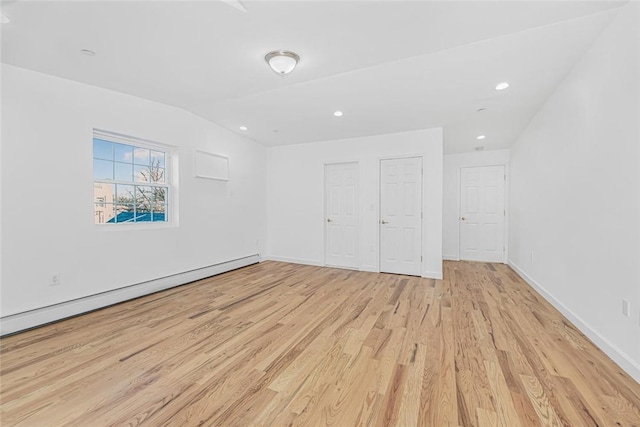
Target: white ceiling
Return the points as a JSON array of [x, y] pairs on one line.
[[390, 66]]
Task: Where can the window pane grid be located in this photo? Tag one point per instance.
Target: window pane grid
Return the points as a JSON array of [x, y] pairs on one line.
[[129, 183], [146, 184]]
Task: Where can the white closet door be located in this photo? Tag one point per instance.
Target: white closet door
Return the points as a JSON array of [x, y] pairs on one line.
[[401, 216], [341, 217], [482, 213]]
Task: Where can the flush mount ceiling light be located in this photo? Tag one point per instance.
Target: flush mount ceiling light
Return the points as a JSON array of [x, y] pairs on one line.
[[480, 137], [244, 128], [4, 19], [338, 114], [282, 61], [87, 52], [502, 86]]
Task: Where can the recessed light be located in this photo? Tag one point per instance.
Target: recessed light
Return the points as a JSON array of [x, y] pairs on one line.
[[502, 86], [479, 148], [244, 128], [87, 52], [480, 137], [4, 19], [338, 114]]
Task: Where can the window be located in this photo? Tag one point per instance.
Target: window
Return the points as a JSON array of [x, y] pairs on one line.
[[130, 180]]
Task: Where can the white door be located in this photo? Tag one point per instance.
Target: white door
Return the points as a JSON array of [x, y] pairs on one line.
[[482, 213], [341, 219], [401, 216]]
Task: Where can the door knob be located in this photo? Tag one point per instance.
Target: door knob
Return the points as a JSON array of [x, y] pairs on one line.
[[463, 218], [383, 222], [329, 220]]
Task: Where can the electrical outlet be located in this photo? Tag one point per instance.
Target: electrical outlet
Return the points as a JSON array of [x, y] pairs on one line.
[[54, 279], [626, 308]]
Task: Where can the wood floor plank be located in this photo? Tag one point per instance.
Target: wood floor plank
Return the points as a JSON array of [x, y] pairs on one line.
[[278, 344]]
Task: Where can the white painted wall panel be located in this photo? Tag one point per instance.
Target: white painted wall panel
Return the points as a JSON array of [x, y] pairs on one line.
[[295, 227], [575, 193], [47, 188]]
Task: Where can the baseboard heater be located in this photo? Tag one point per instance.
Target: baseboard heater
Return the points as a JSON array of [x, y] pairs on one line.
[[41, 316]]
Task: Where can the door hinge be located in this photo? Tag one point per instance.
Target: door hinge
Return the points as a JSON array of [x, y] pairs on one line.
[[420, 258]]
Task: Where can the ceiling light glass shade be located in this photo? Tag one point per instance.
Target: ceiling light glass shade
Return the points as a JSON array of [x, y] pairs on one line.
[[282, 61]]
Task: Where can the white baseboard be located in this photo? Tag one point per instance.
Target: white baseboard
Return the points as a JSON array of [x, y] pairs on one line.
[[621, 358], [432, 275], [369, 268], [293, 260], [451, 257], [40, 316]]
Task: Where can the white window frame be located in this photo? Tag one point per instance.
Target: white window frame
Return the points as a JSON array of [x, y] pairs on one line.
[[171, 163]]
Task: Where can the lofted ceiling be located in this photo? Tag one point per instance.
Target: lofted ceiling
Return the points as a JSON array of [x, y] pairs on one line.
[[390, 66]]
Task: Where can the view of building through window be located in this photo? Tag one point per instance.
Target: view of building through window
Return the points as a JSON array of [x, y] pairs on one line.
[[129, 183]]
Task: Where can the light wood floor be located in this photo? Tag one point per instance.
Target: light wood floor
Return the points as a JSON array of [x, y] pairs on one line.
[[279, 344]]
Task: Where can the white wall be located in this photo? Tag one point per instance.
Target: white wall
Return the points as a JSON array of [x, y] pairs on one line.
[[47, 192], [451, 202], [575, 194], [295, 210]]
